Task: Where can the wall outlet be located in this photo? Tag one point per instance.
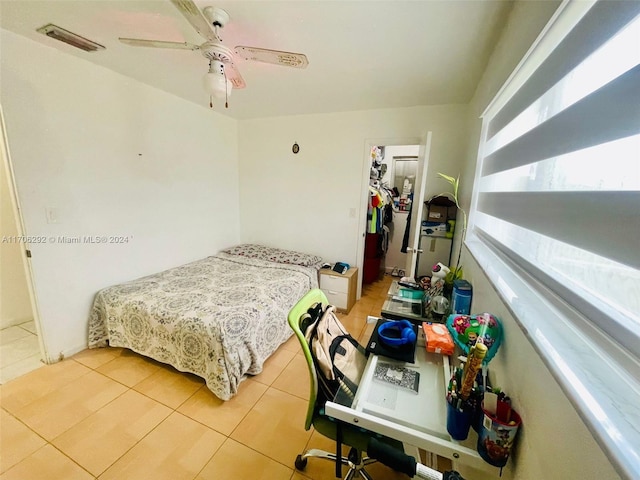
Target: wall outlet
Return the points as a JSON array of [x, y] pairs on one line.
[[52, 215]]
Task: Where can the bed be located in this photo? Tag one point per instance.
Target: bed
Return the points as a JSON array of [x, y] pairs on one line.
[[219, 318]]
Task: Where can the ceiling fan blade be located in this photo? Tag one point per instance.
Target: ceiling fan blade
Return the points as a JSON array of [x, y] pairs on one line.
[[234, 75], [137, 42], [277, 57], [197, 20]]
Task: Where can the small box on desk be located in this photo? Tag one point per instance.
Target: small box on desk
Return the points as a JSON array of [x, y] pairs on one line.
[[410, 293]]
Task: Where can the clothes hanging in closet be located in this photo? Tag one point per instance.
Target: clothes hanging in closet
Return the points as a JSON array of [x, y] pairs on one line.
[[375, 214], [380, 209], [386, 236], [407, 228]]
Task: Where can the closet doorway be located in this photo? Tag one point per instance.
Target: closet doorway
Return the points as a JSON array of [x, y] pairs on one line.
[[393, 178], [20, 344]]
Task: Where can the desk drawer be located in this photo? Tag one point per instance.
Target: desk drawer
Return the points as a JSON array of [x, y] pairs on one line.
[[335, 283], [338, 299]]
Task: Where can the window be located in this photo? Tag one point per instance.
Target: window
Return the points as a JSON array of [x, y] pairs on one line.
[[557, 207]]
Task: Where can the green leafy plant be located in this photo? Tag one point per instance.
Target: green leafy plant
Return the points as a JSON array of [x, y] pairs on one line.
[[456, 271]]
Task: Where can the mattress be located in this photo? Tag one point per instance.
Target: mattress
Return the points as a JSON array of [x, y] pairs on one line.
[[219, 318]]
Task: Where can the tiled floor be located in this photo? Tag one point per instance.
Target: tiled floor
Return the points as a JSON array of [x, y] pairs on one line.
[[112, 414], [19, 351]]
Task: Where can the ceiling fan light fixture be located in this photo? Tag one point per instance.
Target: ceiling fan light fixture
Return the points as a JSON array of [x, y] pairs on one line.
[[223, 75], [215, 81]]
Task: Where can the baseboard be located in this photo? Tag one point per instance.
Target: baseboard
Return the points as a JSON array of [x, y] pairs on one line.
[[67, 353]]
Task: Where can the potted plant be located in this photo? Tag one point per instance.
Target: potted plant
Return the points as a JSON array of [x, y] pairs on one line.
[[456, 271]]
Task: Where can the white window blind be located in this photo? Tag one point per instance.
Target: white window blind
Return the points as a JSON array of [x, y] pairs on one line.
[[557, 199]]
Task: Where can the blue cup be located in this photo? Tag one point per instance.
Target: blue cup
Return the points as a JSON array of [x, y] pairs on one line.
[[458, 422]]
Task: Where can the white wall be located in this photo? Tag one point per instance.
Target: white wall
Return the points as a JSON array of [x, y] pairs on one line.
[[304, 201], [15, 304], [119, 158], [553, 442], [115, 158]]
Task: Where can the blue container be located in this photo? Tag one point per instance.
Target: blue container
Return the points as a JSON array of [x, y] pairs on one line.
[[458, 422], [461, 297]]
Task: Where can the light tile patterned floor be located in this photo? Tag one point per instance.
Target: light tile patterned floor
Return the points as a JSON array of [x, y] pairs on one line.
[[112, 414], [19, 351]]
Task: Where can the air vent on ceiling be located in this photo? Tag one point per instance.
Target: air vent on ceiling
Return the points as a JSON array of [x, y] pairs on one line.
[[71, 38]]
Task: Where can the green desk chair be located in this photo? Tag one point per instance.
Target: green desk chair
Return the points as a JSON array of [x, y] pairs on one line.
[[341, 432]]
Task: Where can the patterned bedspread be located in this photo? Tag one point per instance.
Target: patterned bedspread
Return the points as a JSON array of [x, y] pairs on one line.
[[219, 318]]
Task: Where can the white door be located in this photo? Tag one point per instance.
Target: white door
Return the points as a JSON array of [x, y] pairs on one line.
[[19, 265], [417, 206]]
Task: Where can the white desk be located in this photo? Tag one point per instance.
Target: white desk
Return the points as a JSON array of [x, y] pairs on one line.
[[424, 423]]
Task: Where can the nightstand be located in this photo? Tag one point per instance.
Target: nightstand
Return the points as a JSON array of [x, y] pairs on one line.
[[340, 288]]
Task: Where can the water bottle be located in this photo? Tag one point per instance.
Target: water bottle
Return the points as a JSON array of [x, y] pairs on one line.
[[461, 297]]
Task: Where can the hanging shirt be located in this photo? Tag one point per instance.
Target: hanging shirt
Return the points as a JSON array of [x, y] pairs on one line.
[[373, 224]]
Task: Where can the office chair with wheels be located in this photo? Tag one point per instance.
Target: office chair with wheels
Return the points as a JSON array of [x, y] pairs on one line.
[[341, 432]]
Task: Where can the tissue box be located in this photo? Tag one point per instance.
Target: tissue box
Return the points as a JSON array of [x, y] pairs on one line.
[[438, 338]]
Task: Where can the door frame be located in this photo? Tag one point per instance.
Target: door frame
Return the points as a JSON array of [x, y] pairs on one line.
[[17, 213], [369, 143], [415, 227]]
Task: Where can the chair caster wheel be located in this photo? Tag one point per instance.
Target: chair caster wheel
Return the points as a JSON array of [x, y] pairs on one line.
[[354, 456], [300, 462]]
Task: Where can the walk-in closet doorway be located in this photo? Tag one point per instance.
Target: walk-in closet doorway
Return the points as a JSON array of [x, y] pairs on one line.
[[394, 173]]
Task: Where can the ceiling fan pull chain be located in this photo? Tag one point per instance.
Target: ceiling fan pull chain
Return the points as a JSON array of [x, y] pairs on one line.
[[226, 90]]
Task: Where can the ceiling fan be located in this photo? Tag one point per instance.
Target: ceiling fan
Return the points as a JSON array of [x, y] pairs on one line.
[[223, 74]]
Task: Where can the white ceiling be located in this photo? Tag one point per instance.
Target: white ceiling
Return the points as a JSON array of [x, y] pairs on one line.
[[362, 54]]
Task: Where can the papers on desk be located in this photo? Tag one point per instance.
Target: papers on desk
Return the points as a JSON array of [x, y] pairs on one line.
[[424, 411], [399, 376]]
